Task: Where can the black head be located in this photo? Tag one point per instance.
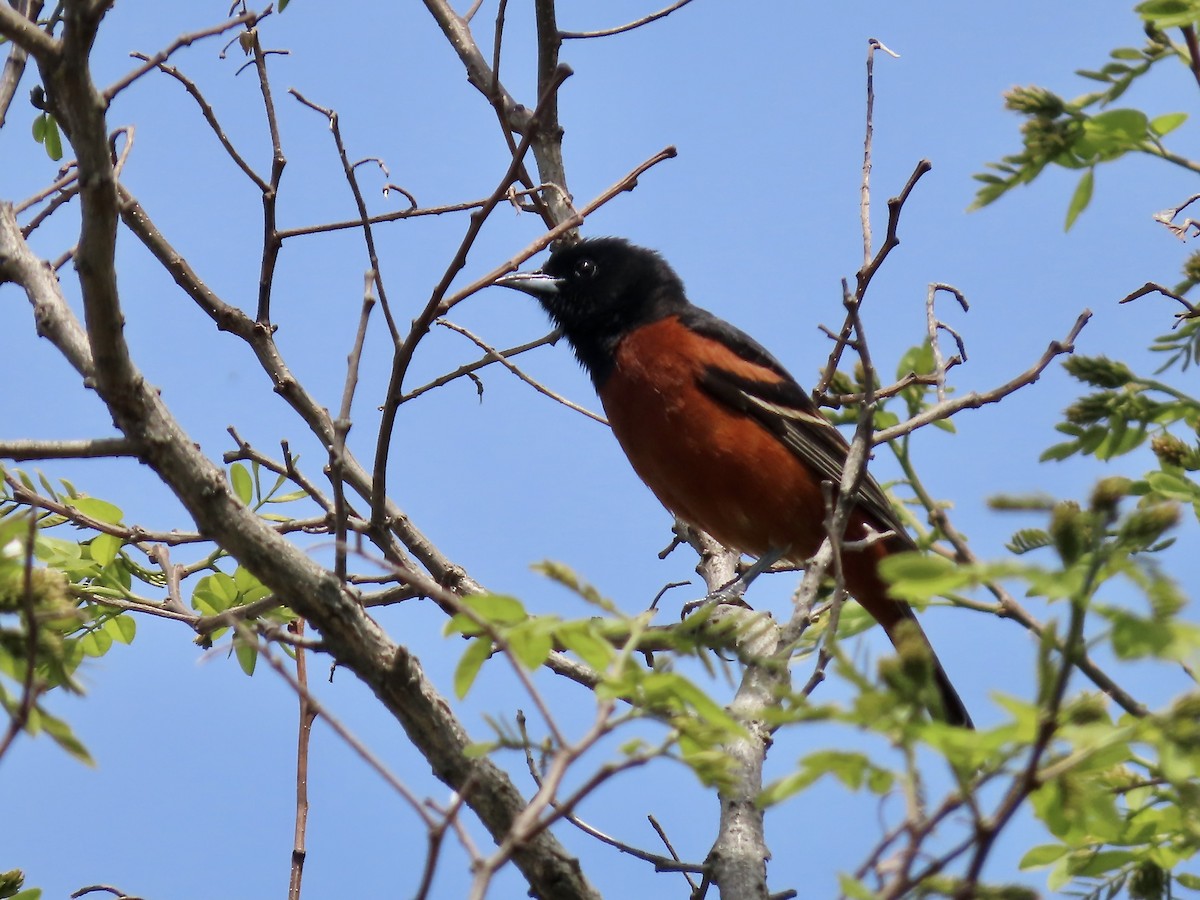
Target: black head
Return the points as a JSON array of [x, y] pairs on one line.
[[598, 290]]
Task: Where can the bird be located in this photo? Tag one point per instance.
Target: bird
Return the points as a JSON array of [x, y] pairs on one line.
[[715, 426]]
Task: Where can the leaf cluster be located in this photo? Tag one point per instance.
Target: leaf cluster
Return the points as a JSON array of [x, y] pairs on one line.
[[1083, 133]]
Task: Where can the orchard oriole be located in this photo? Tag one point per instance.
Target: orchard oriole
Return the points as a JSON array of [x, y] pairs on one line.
[[713, 424]]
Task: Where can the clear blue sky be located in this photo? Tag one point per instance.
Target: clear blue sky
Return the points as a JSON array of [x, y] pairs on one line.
[[192, 794]]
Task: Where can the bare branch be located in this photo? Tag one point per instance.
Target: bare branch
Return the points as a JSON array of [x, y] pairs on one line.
[[626, 183], [865, 189], [341, 427], [495, 356], [865, 274], [106, 888], [433, 308], [360, 645], [487, 360], [1151, 287], [22, 451], [410, 213], [976, 399], [368, 236], [211, 118], [307, 715], [25, 33], [1180, 229], [14, 66], [315, 709], [248, 19], [628, 26]]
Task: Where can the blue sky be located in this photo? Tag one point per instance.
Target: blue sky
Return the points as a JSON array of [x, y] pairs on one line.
[[192, 794]]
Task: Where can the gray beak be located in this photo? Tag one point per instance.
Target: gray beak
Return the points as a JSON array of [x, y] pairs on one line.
[[534, 283]]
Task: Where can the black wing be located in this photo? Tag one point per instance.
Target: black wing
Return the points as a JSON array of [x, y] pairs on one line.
[[785, 409]]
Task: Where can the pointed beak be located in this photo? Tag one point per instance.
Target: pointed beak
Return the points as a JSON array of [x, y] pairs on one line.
[[533, 283]]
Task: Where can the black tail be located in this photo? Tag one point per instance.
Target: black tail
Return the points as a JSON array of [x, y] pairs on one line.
[[953, 711], [905, 627]]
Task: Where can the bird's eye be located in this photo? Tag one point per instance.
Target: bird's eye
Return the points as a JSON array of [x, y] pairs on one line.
[[585, 269]]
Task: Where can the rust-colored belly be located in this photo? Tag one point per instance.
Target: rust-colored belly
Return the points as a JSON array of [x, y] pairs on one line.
[[712, 466]]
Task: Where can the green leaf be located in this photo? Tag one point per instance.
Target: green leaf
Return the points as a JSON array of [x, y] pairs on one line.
[[531, 642], [1059, 452], [469, 665], [915, 576], [289, 497], [103, 548], [1042, 855], [53, 141], [702, 704], [1172, 486], [854, 770], [62, 735], [854, 889], [1107, 136], [121, 628], [885, 418], [100, 510], [95, 643], [1164, 125], [1134, 637], [479, 749], [246, 653], [918, 359], [214, 593], [498, 609], [1102, 862], [248, 587], [582, 640], [1119, 124], [1028, 539], [565, 576], [243, 484], [1081, 198], [1169, 13]]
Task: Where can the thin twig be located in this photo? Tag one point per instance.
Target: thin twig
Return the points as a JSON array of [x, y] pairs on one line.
[[249, 19], [487, 360], [270, 197], [26, 34], [1193, 45], [341, 427], [210, 117], [364, 752], [67, 175], [865, 274], [396, 216], [933, 326], [1151, 287], [628, 26], [976, 399], [495, 355], [433, 308], [307, 715], [14, 66], [361, 204]]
